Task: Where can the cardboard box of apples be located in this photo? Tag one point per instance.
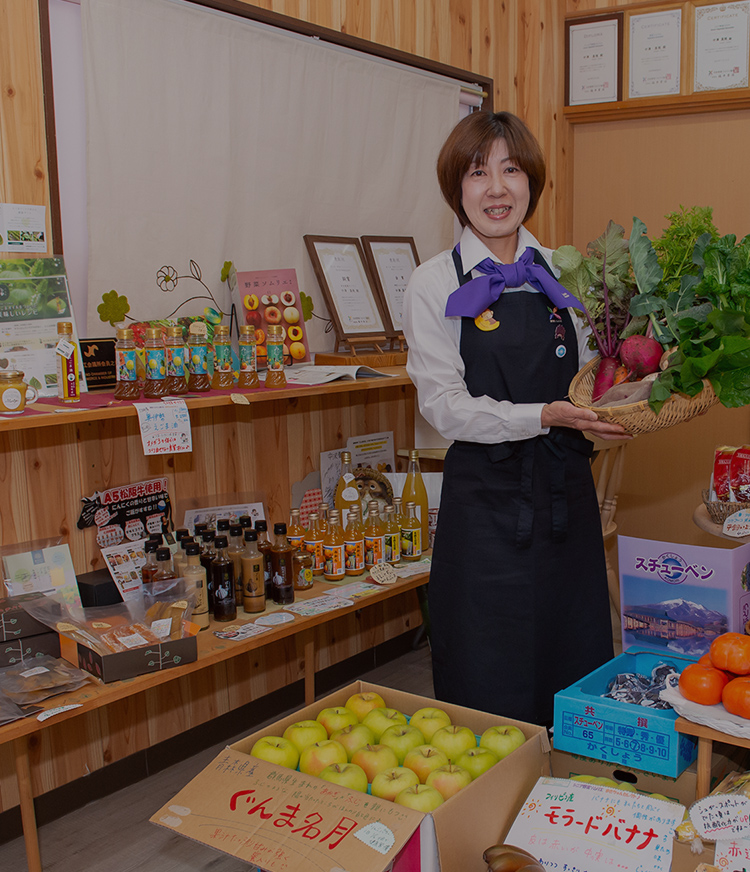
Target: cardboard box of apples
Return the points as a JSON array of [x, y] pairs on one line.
[[371, 792]]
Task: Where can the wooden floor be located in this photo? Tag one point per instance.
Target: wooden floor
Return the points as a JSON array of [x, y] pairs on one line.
[[114, 834]]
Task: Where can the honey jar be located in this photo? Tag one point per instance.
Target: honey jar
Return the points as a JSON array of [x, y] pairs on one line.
[[15, 393]]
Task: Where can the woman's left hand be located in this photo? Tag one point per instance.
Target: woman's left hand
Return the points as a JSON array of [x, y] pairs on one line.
[[564, 414]]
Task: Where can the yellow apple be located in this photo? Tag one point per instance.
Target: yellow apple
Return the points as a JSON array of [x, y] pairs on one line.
[[448, 780], [336, 718], [502, 739], [276, 750], [346, 775], [477, 760], [374, 759], [354, 737], [388, 784], [428, 720], [305, 733], [361, 703], [402, 738], [314, 759], [454, 740], [425, 759], [420, 797], [379, 719]]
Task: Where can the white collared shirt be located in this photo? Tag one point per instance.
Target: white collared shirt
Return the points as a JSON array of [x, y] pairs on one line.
[[435, 364]]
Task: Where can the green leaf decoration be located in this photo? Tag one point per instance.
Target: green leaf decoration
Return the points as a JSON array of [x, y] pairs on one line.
[[307, 305], [113, 307], [225, 270]]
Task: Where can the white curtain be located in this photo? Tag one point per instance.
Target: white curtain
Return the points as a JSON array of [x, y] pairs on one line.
[[211, 138]]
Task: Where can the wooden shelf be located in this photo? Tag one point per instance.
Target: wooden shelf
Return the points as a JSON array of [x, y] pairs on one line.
[[659, 107]]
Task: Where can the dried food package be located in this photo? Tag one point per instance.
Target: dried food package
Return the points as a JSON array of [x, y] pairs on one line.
[[28, 683], [636, 689], [9, 711]]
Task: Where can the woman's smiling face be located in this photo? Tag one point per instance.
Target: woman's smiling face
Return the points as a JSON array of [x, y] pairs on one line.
[[495, 198]]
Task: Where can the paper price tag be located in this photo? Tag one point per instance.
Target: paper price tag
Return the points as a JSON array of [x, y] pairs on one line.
[[65, 348], [737, 525]]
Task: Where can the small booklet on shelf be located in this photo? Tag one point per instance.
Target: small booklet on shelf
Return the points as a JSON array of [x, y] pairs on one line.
[[318, 375]]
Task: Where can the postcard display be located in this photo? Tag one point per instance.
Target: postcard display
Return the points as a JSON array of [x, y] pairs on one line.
[[675, 599]]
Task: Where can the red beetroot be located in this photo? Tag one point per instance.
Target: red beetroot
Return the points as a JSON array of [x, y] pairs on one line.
[[605, 377], [641, 355]]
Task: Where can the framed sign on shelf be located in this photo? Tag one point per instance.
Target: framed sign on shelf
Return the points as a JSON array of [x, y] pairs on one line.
[[344, 278], [392, 260], [593, 59]]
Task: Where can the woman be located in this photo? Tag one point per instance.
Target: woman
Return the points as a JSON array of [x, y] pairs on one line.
[[518, 596]]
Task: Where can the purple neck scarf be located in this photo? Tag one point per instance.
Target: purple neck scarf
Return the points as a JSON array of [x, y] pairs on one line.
[[472, 298]]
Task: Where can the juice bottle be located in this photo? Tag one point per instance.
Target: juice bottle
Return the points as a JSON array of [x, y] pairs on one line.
[[174, 346], [374, 536], [223, 375], [391, 536], [248, 377], [253, 576], [196, 576], [128, 387], [295, 532], [411, 534], [313, 542], [264, 546], [235, 552], [68, 383], [282, 567], [333, 550], [354, 544], [156, 364], [398, 510], [415, 491], [275, 377], [346, 490], [222, 582], [198, 378], [148, 570], [323, 516]]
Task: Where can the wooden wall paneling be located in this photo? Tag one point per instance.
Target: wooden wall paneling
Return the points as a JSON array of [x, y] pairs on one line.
[[70, 751], [262, 671], [410, 29], [15, 513], [270, 459], [380, 25], [195, 471]]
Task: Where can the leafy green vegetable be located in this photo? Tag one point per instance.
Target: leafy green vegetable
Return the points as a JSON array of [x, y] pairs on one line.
[[676, 245]]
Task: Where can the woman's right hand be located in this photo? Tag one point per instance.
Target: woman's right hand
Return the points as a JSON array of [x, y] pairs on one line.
[[564, 414]]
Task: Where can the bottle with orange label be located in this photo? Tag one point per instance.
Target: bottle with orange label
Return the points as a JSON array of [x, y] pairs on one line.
[[295, 532], [354, 544], [333, 550], [347, 494], [411, 534], [391, 536], [323, 516], [414, 490], [313, 541], [374, 536]]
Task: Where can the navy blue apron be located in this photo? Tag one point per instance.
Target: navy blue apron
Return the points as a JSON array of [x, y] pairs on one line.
[[518, 597]]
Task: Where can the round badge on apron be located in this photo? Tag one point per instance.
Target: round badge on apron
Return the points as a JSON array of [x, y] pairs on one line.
[[486, 321]]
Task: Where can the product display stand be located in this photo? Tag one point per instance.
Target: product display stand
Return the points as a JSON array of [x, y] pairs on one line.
[[703, 521], [706, 738], [361, 358]]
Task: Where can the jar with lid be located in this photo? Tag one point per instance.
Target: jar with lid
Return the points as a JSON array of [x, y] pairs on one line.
[[248, 377], [128, 387], [275, 377], [302, 567], [68, 383], [156, 364], [198, 378], [15, 394], [174, 344], [223, 375]]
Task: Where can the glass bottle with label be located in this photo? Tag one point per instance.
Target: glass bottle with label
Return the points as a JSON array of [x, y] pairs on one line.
[[303, 569], [174, 345], [295, 532], [128, 387], [398, 510], [235, 551], [68, 380], [313, 542], [156, 364], [222, 527], [323, 516], [275, 377], [253, 575], [264, 546], [415, 491], [354, 544], [248, 377], [198, 378], [208, 553], [148, 570], [411, 534], [333, 550], [180, 556], [246, 522], [164, 567], [222, 582], [196, 577], [347, 493], [282, 567], [223, 374], [374, 536], [391, 536]]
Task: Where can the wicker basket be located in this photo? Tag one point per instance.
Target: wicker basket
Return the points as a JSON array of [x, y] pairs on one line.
[[719, 511], [639, 417]]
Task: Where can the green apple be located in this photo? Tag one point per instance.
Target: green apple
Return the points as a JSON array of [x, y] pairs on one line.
[[587, 779], [314, 759], [336, 718], [427, 720], [402, 739], [453, 740], [388, 784], [420, 797], [305, 733], [626, 785], [379, 719], [361, 703], [374, 759], [354, 737], [276, 750], [448, 780], [345, 775], [477, 760], [425, 759], [502, 739]]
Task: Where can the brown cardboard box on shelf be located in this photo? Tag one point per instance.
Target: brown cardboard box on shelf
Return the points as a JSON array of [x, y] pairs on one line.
[[25, 649], [128, 664], [281, 819], [15, 623]]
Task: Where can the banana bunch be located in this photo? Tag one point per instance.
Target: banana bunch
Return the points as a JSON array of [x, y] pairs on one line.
[[509, 858]]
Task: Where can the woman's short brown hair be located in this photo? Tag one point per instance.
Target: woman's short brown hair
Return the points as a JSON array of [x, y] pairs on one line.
[[470, 142]]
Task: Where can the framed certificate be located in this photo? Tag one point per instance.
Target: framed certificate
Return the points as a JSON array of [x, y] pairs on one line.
[[392, 260], [345, 281], [721, 46], [655, 39], [593, 62]]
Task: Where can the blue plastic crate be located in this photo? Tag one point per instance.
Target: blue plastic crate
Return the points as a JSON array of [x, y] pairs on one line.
[[589, 724]]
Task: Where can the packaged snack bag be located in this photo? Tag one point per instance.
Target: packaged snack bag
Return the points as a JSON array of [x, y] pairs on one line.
[[739, 475], [722, 463]]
